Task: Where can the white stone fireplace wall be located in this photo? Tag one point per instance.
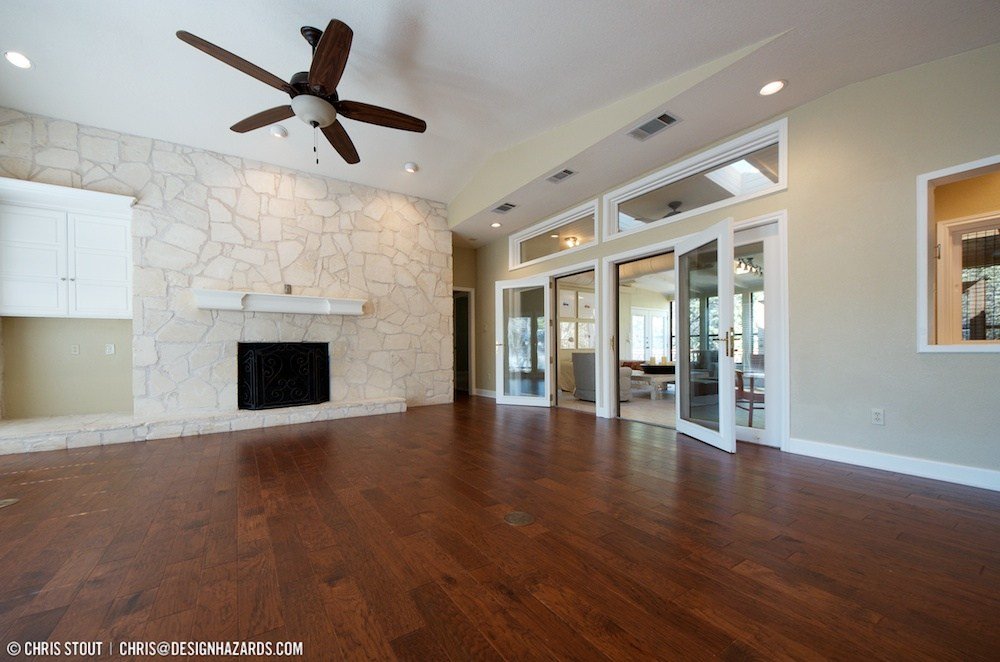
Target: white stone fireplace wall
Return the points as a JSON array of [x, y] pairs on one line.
[[206, 220]]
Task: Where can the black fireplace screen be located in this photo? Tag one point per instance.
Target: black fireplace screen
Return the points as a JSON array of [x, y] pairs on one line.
[[283, 374]]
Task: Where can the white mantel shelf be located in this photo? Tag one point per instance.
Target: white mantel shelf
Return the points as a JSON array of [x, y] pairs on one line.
[[275, 303]]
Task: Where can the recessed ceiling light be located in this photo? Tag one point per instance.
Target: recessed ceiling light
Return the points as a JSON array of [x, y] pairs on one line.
[[554, 235], [773, 87], [19, 60], [410, 166], [494, 224], [279, 131]]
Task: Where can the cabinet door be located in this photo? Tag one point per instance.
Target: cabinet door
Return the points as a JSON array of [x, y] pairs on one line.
[[100, 267], [33, 277]]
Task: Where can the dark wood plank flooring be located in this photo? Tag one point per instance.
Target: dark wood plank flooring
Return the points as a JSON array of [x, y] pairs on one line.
[[384, 538]]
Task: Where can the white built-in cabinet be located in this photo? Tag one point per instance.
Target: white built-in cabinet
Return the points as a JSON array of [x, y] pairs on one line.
[[64, 252]]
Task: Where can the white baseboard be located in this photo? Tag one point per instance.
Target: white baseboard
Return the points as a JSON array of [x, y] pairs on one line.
[[952, 473], [482, 392]]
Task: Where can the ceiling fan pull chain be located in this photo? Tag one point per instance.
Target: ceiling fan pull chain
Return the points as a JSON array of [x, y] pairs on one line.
[[315, 151]]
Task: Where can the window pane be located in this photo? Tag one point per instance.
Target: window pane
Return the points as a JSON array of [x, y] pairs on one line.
[[638, 337], [586, 335], [585, 309], [658, 339], [699, 284], [554, 240], [981, 285], [524, 326], [567, 335], [744, 175]]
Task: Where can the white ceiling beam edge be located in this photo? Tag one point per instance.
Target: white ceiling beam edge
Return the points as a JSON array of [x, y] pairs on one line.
[[508, 171]]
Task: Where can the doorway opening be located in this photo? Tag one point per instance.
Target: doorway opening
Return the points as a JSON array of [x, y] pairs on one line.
[[576, 331], [464, 339], [648, 340]]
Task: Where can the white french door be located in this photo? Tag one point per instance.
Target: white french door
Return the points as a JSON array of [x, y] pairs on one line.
[[706, 394], [524, 342]]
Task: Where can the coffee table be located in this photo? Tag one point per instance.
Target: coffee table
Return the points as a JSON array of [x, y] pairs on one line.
[[658, 383]]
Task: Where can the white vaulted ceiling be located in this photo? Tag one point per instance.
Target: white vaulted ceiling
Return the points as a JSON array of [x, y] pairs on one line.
[[489, 77]]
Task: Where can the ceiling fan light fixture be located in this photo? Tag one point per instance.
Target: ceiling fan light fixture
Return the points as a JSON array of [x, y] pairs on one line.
[[314, 111], [773, 87], [19, 60]]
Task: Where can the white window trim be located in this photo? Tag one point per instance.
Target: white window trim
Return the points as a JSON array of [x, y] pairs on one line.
[[926, 276], [576, 213], [749, 142]]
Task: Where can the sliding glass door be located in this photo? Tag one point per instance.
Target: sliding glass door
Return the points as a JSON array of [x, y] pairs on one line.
[[706, 394]]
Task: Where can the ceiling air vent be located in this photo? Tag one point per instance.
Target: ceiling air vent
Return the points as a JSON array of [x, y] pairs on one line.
[[504, 208], [561, 175], [652, 127]]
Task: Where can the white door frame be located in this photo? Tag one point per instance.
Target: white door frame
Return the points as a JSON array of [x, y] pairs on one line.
[[550, 275], [607, 357], [472, 334], [776, 341]]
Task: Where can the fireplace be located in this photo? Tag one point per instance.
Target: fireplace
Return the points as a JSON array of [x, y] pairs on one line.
[[282, 374]]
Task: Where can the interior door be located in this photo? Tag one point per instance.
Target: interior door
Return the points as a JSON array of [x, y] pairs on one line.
[[524, 343], [706, 393]]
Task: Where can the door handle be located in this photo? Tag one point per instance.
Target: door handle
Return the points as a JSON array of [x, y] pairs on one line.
[[731, 343]]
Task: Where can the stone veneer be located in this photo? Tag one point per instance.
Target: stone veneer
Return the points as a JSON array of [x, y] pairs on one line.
[[207, 220]]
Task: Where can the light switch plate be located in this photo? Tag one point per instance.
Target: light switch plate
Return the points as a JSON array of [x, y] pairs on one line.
[[74, 350], [109, 348]]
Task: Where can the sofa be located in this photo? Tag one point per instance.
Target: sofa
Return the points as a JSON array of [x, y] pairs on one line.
[[584, 378]]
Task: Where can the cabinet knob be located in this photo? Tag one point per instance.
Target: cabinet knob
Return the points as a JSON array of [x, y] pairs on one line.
[[73, 279], [63, 278]]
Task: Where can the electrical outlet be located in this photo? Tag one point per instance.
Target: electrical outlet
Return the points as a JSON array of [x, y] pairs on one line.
[[878, 416], [109, 349], [74, 350]]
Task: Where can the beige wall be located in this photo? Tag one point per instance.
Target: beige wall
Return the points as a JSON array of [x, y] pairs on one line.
[[42, 377], [968, 197], [464, 260], [854, 156]]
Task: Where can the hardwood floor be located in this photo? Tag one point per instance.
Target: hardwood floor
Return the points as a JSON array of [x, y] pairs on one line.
[[384, 538]]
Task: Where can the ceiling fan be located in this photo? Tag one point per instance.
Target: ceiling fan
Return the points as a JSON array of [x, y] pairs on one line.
[[675, 208], [314, 93]]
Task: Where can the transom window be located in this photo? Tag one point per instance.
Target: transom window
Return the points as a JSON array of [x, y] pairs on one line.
[[570, 231], [749, 166]]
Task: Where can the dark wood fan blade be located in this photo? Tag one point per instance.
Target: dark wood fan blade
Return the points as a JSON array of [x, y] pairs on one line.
[[263, 118], [234, 61], [365, 112], [330, 57], [341, 142]]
